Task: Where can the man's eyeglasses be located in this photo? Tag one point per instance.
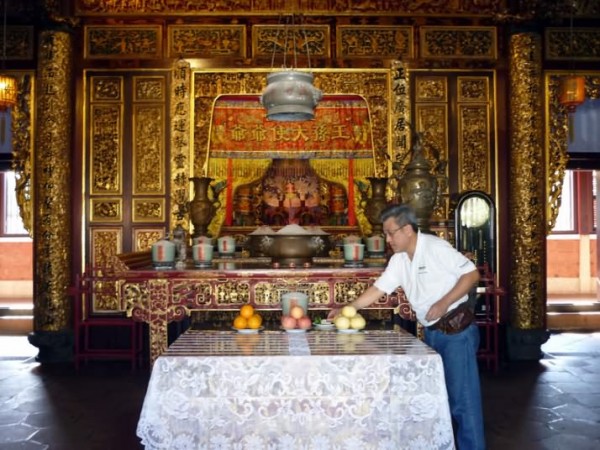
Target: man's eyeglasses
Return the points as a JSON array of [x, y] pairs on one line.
[[391, 233]]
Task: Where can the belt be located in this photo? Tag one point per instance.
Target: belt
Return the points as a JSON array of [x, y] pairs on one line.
[[454, 321]]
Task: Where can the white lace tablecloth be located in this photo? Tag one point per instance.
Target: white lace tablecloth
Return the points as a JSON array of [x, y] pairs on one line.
[[318, 390]]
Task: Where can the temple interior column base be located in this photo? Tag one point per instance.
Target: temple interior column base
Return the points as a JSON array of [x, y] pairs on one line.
[[54, 346], [525, 345]]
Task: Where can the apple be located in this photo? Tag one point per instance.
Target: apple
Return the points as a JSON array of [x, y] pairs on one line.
[[288, 322], [296, 312], [358, 322], [304, 322], [349, 311], [342, 323]]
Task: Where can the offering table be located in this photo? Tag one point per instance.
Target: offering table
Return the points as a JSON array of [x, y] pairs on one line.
[[158, 297], [319, 389]]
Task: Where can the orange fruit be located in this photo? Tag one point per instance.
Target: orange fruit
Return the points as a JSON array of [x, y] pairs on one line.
[[240, 322], [255, 322], [246, 311]]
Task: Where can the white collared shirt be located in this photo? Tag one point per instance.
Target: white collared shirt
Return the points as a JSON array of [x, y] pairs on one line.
[[434, 270]]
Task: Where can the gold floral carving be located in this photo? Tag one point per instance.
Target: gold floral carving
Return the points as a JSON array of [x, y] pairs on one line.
[[232, 292], [143, 238], [108, 89], [474, 147], [118, 41], [269, 293], [346, 291], [431, 89], [578, 44], [105, 243], [290, 41], [23, 144], [148, 149], [473, 89], [52, 212], [366, 41], [149, 89], [527, 186], [106, 209], [106, 142], [180, 147], [439, 42], [207, 41], [264, 7], [148, 210]]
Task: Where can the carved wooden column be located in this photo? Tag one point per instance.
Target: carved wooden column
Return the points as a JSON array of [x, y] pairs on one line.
[[527, 199], [52, 208]]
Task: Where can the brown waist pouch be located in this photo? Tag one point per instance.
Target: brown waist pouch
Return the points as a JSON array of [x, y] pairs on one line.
[[455, 321]]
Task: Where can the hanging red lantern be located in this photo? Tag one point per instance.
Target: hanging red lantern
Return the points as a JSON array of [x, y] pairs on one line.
[[572, 92]]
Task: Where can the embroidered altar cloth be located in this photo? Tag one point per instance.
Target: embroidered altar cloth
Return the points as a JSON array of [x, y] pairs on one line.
[[315, 390]]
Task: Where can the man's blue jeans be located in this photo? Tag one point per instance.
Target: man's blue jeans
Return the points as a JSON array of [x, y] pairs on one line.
[[459, 354]]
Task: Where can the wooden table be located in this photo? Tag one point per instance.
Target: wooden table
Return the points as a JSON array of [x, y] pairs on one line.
[[158, 297], [369, 390]]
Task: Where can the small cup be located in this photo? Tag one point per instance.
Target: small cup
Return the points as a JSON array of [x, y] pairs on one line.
[[202, 254], [163, 254], [202, 240], [226, 245], [375, 244], [354, 252]]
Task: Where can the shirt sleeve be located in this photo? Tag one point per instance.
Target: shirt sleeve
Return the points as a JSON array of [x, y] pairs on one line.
[[391, 278]]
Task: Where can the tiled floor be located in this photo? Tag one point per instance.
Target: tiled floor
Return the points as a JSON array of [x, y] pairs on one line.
[[553, 404]]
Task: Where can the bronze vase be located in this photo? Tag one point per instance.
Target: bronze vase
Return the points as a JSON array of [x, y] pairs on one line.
[[202, 207], [376, 203], [418, 188]]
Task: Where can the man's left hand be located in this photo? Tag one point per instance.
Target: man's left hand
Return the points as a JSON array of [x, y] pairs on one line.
[[437, 310]]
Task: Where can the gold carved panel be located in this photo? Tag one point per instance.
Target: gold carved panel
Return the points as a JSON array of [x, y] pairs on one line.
[[143, 238], [119, 41], [106, 140], [474, 147], [206, 41], [105, 243], [345, 292], [106, 209], [148, 210], [269, 293], [106, 89], [149, 89], [473, 89], [19, 43], [431, 89], [148, 149], [232, 292], [440, 42], [580, 44], [289, 41], [365, 41]]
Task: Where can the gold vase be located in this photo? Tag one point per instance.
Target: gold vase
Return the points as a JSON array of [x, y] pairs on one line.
[[418, 188]]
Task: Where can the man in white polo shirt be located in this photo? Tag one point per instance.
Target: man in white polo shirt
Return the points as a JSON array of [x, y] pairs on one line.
[[436, 279]]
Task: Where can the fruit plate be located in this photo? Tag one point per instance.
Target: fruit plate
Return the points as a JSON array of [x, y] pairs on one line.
[[294, 330], [349, 331], [247, 330], [324, 326]]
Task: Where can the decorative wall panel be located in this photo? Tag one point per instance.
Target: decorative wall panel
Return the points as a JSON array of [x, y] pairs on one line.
[[580, 44], [474, 145], [439, 42], [104, 244], [148, 149], [143, 238], [118, 41], [106, 210], [19, 43], [148, 210], [364, 41], [106, 140], [206, 41], [290, 41]]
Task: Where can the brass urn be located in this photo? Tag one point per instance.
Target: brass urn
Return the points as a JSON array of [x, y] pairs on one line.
[[418, 187], [202, 207], [376, 203]]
